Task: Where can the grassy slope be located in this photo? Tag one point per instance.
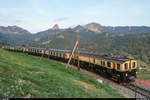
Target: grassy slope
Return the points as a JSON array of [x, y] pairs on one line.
[[145, 72], [28, 76]]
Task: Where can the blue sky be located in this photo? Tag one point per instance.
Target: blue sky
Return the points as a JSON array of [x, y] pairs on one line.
[[39, 15]]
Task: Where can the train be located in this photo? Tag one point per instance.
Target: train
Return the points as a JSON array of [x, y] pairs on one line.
[[120, 69]]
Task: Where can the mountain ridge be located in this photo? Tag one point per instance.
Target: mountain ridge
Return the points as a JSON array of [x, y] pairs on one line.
[[16, 34], [13, 30]]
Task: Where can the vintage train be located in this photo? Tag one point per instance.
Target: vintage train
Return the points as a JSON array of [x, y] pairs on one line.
[[121, 69]]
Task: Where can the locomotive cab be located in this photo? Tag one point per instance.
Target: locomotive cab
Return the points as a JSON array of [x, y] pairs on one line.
[[129, 69]]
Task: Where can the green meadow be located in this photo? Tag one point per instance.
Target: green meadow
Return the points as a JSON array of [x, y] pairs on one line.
[[26, 76]]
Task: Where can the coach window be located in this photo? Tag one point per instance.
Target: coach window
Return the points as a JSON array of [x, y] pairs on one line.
[[94, 60], [55, 53], [118, 66], [130, 65], [133, 64], [109, 64], [103, 63], [126, 66], [114, 65]]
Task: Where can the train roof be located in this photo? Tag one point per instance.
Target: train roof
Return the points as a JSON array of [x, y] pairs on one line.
[[101, 57], [107, 57]]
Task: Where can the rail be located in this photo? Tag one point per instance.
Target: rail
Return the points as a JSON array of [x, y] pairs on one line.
[[144, 92]]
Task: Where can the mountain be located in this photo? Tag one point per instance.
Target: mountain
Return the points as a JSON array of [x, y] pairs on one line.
[[95, 27], [14, 35], [13, 30], [126, 29], [52, 31], [55, 27], [17, 35], [118, 30]]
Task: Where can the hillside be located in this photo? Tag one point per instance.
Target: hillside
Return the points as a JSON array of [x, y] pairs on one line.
[[128, 44], [14, 35], [29, 77]]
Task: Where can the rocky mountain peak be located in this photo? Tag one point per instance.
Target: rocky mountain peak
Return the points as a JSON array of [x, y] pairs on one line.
[[14, 26], [55, 27], [93, 27]]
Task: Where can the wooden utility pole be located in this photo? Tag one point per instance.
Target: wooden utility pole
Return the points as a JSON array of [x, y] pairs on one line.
[[78, 51], [73, 53]]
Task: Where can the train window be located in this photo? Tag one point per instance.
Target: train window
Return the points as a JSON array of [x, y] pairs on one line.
[[94, 60], [126, 66], [118, 66], [64, 55], [103, 63], [109, 64], [114, 65], [133, 64], [55, 53], [130, 65]]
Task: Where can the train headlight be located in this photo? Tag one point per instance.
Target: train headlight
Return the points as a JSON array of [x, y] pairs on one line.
[[126, 74]]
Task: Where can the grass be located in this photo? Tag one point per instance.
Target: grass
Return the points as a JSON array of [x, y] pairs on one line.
[[144, 73], [29, 77]]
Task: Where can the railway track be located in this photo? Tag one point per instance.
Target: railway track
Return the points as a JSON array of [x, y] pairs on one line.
[[139, 90]]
